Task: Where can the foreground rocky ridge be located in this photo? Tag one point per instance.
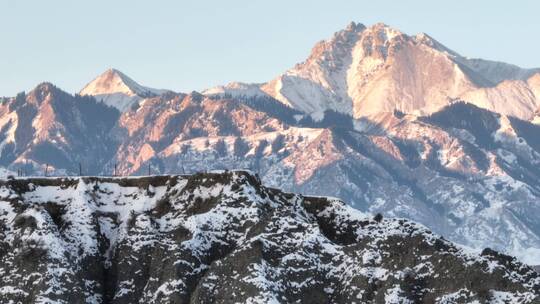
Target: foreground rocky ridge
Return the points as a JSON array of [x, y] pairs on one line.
[[222, 238]]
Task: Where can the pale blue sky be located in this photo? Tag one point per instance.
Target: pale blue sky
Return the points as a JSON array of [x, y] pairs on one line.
[[193, 45]]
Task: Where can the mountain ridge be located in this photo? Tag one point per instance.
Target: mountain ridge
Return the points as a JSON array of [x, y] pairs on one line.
[[441, 170], [223, 237], [367, 70]]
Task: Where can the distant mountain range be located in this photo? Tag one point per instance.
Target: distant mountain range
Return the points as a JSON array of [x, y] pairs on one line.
[[388, 122]]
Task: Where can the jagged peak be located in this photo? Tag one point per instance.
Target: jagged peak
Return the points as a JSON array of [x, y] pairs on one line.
[[381, 26], [113, 81], [355, 27], [109, 82], [45, 86], [388, 33], [196, 96], [383, 31], [353, 32], [118, 90], [44, 89]]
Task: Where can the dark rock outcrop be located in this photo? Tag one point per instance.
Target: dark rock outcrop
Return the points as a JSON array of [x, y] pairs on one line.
[[224, 238]]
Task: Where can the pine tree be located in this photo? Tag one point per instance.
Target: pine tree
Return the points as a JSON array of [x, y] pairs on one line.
[[221, 148], [240, 147]]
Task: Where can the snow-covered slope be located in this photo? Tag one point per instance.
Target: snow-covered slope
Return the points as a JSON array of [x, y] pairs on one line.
[[363, 71], [116, 89], [235, 90], [445, 171], [464, 172], [224, 237]]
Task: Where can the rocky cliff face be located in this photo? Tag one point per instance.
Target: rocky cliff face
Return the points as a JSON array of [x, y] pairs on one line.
[[222, 238]]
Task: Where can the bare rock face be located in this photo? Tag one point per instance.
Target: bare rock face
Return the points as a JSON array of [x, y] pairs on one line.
[[225, 238]]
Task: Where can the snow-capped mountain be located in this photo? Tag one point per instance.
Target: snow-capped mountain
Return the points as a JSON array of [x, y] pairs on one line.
[[223, 237], [466, 169], [116, 89], [363, 71]]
